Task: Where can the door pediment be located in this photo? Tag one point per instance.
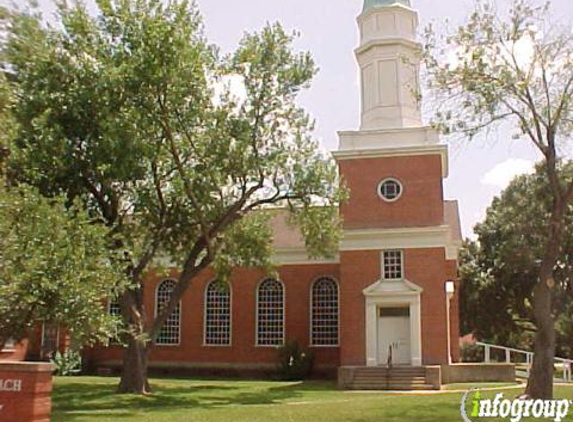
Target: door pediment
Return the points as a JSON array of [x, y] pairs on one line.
[[389, 288]]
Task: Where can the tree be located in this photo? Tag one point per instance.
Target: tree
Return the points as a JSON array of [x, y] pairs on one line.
[[6, 122], [55, 267], [517, 70], [175, 147], [500, 270], [55, 264]]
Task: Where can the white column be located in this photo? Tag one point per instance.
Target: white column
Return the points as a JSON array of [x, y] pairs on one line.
[[450, 288], [415, 332], [448, 330], [371, 333]]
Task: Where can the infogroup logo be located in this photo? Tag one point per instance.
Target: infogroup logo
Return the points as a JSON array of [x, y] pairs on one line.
[[513, 409]]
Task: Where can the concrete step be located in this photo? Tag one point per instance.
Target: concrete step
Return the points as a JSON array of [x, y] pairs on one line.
[[394, 380], [386, 375], [381, 383], [384, 386], [392, 371], [400, 376]]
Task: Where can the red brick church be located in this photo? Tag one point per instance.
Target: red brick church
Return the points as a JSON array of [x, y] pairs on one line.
[[392, 286]]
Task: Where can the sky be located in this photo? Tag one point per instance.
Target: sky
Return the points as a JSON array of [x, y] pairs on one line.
[[478, 170]]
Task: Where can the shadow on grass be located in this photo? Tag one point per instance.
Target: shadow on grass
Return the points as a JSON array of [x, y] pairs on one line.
[[75, 400]]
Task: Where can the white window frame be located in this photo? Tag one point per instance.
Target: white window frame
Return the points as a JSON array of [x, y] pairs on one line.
[[311, 301], [9, 345], [257, 344], [109, 303], [157, 309], [42, 340], [230, 342], [390, 179], [112, 340], [383, 267]]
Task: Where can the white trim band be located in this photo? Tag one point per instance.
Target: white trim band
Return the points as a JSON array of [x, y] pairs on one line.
[[399, 238]]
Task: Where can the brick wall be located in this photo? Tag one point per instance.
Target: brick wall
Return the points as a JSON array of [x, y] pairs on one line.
[[25, 391], [297, 281], [17, 353], [421, 203], [424, 267]]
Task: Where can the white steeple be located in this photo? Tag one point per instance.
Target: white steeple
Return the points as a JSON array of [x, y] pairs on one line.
[[389, 60]]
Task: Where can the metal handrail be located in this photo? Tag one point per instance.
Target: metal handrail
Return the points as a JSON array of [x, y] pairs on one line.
[[566, 364]]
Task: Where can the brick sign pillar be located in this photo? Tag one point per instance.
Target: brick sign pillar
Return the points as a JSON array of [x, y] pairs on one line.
[[25, 391]]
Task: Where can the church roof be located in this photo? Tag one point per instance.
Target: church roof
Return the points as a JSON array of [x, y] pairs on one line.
[[368, 4], [452, 219], [285, 235]]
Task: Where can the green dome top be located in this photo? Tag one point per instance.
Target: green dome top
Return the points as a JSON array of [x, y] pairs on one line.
[[368, 4]]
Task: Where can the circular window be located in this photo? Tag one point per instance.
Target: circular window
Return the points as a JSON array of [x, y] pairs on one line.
[[390, 190]]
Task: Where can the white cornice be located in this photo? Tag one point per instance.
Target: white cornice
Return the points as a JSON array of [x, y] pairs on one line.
[[398, 238], [392, 288], [280, 256], [365, 239], [389, 41], [395, 130], [299, 256], [417, 136], [352, 154], [397, 7]]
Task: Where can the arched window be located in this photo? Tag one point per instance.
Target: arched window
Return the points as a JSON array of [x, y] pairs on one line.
[[217, 314], [324, 312], [270, 313], [170, 332]]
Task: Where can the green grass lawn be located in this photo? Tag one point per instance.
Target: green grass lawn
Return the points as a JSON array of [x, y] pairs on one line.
[[86, 399]]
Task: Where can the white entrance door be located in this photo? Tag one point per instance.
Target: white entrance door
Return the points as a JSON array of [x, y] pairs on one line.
[[394, 332]]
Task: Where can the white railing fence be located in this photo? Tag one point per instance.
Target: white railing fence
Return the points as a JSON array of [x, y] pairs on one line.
[[524, 359]]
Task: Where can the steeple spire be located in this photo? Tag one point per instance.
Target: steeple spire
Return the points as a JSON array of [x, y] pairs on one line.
[[389, 60], [379, 3]]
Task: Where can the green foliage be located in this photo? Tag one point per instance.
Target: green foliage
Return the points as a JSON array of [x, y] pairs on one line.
[[513, 69], [500, 270], [178, 150], [132, 112], [471, 353], [55, 266], [68, 363], [294, 363], [7, 122]]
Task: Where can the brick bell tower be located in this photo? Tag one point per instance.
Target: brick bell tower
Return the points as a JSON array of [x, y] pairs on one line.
[[398, 250]]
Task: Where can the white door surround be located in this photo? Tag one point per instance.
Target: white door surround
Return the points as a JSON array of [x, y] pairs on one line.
[[392, 294]]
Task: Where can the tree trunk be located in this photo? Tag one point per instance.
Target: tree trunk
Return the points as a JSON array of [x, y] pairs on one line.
[[134, 373], [540, 382]]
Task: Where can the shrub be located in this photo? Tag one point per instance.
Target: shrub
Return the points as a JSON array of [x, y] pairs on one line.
[[294, 363], [68, 363], [472, 353]]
